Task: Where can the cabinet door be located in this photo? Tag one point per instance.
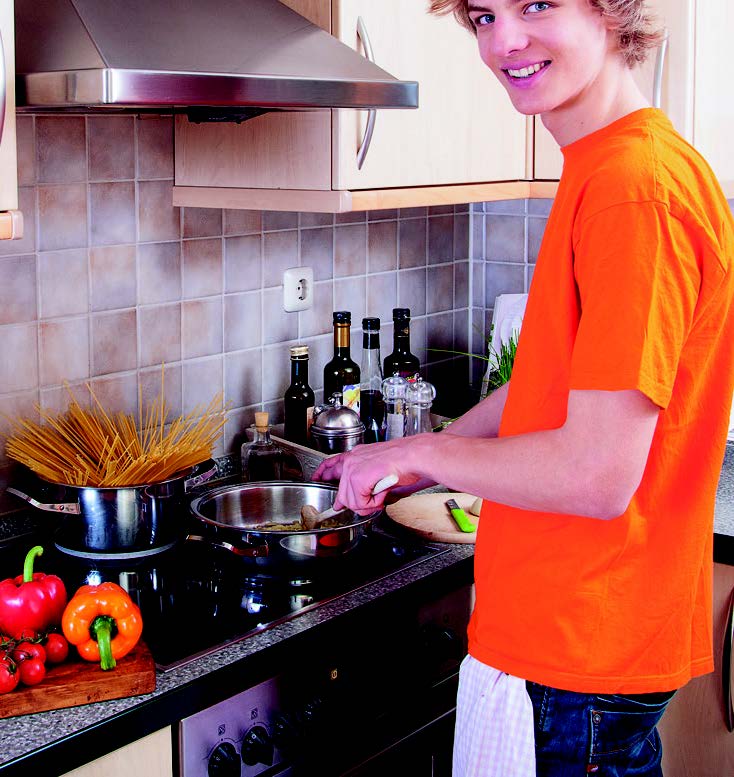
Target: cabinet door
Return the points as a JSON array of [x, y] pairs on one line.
[[696, 742], [151, 756], [464, 131], [8, 159], [547, 156]]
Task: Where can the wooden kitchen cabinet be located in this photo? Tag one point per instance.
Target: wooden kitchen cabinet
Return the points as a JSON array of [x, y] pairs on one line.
[[464, 134], [11, 225], [151, 756], [695, 95], [696, 742]]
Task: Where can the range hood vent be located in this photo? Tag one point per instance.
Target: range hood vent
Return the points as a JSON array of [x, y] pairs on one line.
[[174, 54]]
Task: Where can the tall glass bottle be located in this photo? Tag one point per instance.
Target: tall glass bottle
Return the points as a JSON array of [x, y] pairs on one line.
[[371, 403], [401, 361], [342, 374], [262, 459], [299, 398]]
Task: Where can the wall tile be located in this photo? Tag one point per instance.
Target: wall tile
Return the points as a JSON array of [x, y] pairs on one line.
[[202, 267], [279, 220], [202, 222], [158, 219], [478, 236], [441, 210], [461, 237], [111, 148], [409, 213], [316, 219], [155, 146], [440, 288], [19, 365], [418, 340], [382, 295], [27, 206], [317, 252], [536, 229], [62, 216], [477, 271], [382, 246], [242, 321], [63, 282], [279, 325], [114, 342], [317, 320], [539, 207], [350, 250], [18, 290], [150, 387], [505, 239], [277, 374], [412, 243], [440, 239], [380, 215], [64, 351], [203, 379], [280, 251], [114, 282], [461, 330], [320, 351], [242, 263], [117, 393], [440, 335], [160, 334], [506, 207], [26, 146], [503, 279], [62, 149], [159, 272], [461, 284], [350, 217], [349, 294], [243, 378], [242, 222], [201, 326], [56, 399], [16, 406], [412, 291], [112, 213], [234, 429]]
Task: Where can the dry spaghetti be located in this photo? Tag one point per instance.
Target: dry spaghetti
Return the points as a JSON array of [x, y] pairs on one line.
[[94, 448]]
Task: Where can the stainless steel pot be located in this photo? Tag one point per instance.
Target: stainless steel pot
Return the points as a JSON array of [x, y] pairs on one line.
[[115, 520], [235, 518]]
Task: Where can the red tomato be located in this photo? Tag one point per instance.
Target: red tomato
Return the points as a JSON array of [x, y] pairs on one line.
[[9, 675], [31, 671], [57, 648], [27, 650]]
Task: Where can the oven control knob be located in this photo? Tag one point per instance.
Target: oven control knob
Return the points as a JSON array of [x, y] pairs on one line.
[[257, 747], [285, 731], [224, 761]]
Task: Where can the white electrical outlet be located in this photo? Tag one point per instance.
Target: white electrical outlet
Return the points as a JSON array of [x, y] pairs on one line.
[[297, 289]]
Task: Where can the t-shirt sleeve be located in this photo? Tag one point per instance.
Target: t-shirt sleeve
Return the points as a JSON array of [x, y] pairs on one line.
[[638, 281]]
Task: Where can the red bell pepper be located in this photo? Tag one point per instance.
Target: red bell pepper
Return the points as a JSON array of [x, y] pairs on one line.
[[31, 602]]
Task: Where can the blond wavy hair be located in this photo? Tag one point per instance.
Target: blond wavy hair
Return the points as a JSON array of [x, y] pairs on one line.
[[631, 20]]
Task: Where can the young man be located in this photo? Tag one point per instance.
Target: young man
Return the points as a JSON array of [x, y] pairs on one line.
[[599, 462]]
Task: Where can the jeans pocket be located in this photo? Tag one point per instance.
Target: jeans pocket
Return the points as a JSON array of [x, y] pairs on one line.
[[620, 724]]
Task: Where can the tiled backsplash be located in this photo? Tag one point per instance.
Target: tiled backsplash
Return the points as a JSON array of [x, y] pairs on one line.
[[111, 281]]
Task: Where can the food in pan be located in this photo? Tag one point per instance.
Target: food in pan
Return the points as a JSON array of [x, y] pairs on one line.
[[329, 523]]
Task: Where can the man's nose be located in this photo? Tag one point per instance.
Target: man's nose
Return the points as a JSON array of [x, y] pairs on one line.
[[508, 36]]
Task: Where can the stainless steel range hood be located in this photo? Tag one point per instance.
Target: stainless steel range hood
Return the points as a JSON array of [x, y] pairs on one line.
[[148, 54]]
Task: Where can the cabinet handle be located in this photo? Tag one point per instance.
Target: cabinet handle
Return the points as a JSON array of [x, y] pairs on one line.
[[657, 86], [372, 114], [3, 92], [726, 666]]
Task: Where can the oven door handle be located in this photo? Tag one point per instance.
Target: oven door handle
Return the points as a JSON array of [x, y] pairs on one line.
[[726, 665]]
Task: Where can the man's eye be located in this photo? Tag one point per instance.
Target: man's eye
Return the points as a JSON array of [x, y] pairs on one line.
[[484, 19], [537, 7]]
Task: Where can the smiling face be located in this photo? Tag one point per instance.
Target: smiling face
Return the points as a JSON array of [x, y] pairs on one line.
[[556, 58]]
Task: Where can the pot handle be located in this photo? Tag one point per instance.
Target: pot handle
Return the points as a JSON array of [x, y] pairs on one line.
[[73, 508], [201, 477], [251, 551]]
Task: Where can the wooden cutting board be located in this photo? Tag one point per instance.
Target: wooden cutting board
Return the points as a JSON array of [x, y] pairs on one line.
[[428, 516], [78, 682]]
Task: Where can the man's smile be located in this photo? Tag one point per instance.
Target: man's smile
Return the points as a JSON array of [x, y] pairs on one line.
[[526, 71]]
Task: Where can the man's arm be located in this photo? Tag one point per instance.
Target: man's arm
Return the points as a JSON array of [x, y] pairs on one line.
[[590, 466]]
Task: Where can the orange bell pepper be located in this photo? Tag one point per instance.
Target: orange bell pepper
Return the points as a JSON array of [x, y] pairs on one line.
[[103, 622]]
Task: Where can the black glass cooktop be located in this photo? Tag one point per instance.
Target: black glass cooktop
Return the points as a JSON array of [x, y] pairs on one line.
[[195, 597]]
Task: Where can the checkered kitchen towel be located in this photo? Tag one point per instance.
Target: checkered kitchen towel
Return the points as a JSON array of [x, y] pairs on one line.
[[494, 724]]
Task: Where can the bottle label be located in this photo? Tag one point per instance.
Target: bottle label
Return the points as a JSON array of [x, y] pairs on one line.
[[309, 419], [350, 396]]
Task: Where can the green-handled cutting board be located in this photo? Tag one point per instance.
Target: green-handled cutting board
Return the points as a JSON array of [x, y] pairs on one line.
[[428, 516], [78, 682]]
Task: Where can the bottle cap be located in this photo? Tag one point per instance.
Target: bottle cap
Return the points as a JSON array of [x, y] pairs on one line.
[[299, 351], [342, 317], [371, 324], [399, 314], [261, 421]]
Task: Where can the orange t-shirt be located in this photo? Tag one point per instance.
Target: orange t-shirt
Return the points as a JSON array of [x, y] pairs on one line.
[[633, 289]]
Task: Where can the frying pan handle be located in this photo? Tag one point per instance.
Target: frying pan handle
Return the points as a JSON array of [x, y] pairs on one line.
[[251, 551], [200, 477], [73, 508]]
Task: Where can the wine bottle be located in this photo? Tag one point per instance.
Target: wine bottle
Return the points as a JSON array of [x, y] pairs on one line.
[[299, 398], [401, 361], [342, 374], [371, 404]]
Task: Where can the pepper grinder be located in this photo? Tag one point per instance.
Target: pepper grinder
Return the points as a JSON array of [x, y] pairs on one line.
[[419, 396]]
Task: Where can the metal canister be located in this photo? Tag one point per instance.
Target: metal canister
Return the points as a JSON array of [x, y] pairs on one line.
[[336, 428]]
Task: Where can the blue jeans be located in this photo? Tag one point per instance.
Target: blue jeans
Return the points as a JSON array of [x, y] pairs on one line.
[[609, 736]]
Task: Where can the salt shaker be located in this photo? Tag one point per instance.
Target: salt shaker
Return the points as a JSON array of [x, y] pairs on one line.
[[419, 396], [393, 392]]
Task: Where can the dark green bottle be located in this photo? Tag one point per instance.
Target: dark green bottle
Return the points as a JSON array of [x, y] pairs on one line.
[[401, 361], [342, 374]]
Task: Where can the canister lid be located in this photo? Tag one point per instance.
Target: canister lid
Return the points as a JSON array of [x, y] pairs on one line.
[[336, 421]]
